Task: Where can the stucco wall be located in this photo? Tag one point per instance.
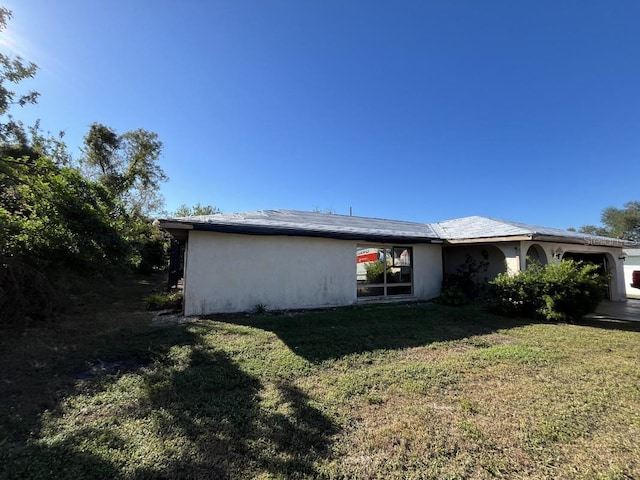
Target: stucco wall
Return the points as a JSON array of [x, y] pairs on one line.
[[427, 270], [455, 257], [233, 273]]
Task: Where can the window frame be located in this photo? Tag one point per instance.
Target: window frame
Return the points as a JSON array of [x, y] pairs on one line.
[[390, 254]]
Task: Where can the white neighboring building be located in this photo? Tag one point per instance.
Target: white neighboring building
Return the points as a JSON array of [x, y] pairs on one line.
[[283, 259], [631, 264]]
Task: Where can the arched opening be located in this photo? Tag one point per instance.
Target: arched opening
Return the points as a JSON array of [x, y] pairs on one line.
[[599, 259], [468, 268], [535, 254], [605, 266]]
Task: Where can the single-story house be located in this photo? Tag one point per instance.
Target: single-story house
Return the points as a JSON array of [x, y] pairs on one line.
[[631, 264], [283, 259]]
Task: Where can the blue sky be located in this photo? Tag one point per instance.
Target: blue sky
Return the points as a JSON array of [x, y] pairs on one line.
[[413, 110]]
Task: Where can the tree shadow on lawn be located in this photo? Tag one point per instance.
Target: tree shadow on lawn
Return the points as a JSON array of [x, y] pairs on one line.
[[218, 406], [198, 416], [331, 334], [64, 460]]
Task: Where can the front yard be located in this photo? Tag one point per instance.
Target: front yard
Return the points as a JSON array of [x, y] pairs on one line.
[[402, 391]]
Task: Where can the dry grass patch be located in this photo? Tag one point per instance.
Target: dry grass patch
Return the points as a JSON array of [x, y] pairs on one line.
[[418, 391]]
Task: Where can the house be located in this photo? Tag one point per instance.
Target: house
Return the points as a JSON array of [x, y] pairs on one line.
[[284, 259], [631, 264]]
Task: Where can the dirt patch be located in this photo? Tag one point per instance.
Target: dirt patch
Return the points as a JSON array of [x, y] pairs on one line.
[[113, 366], [168, 318]]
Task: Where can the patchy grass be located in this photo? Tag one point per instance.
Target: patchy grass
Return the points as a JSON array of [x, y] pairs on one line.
[[410, 391], [164, 300]]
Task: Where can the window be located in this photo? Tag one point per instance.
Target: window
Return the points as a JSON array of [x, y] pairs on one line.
[[384, 271]]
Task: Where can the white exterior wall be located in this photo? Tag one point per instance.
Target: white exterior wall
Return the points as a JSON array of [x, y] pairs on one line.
[[234, 273], [427, 270], [455, 256], [512, 256]]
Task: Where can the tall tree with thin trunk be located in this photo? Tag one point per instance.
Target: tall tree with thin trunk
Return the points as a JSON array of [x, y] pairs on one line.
[[13, 70], [127, 166], [623, 223]]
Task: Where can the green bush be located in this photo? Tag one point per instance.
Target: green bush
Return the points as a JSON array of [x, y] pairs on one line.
[[556, 292], [26, 295], [375, 272], [517, 295], [467, 284], [162, 301], [451, 296]]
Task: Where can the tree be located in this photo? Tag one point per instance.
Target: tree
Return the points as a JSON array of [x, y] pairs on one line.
[[328, 211], [53, 218], [13, 71], [186, 211], [61, 219], [143, 175], [594, 230], [623, 223], [127, 166], [53, 222]]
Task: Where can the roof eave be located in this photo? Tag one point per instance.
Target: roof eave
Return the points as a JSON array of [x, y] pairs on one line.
[[177, 228], [296, 232], [175, 225], [586, 240]]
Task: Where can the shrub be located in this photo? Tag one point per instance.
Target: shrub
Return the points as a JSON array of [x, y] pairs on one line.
[[25, 294], [260, 309], [166, 300], [375, 272], [556, 292], [451, 296], [467, 284], [516, 294]]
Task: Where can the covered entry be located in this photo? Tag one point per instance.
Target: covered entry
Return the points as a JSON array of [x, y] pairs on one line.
[[599, 259], [486, 261]]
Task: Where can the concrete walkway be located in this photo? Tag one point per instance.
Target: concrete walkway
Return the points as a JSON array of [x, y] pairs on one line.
[[629, 310]]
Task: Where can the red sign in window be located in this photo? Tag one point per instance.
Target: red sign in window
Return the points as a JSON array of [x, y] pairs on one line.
[[367, 257]]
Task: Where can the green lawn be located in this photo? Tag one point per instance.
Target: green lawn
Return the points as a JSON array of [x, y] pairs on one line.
[[402, 391]]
